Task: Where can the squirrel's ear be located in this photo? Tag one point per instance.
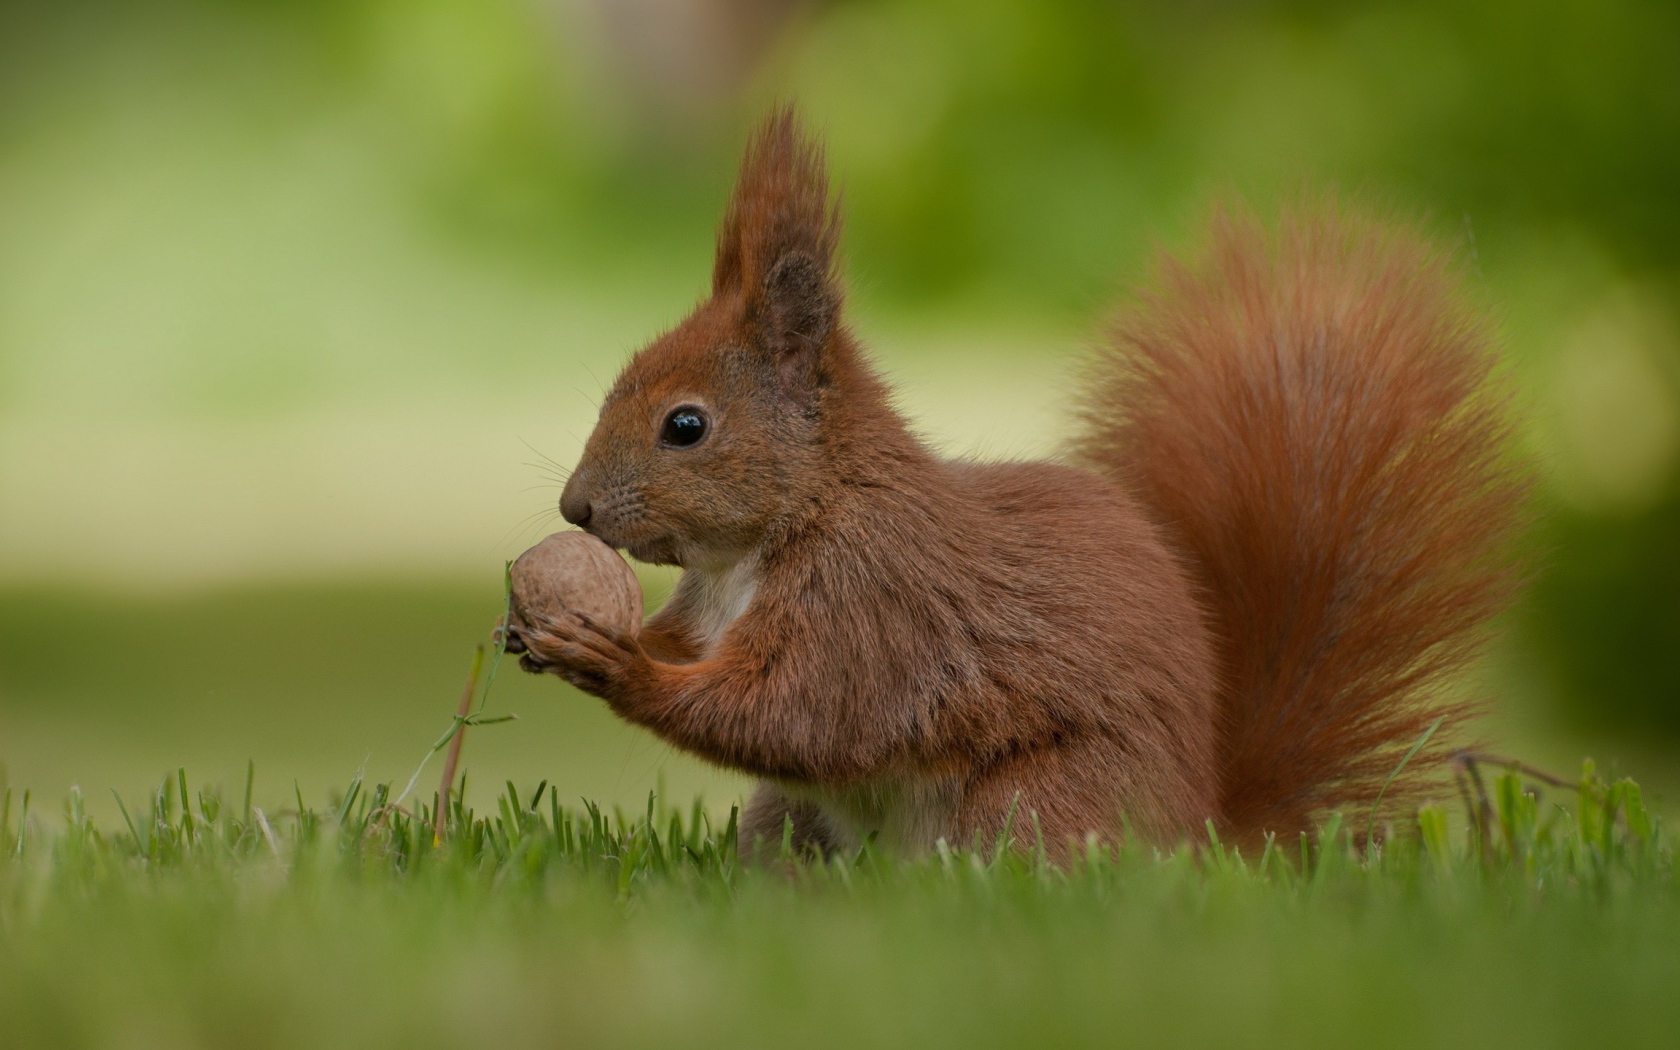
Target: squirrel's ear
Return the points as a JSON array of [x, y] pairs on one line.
[[798, 307], [795, 315], [776, 249]]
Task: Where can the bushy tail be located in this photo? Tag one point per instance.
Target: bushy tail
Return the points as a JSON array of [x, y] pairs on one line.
[[1315, 420]]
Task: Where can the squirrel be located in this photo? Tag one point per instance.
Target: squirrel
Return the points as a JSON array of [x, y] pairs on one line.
[[1248, 587]]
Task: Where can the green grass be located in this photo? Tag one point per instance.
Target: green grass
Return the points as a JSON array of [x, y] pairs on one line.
[[542, 925], [201, 920]]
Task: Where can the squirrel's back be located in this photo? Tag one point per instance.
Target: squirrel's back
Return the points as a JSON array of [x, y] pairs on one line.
[[1314, 418]]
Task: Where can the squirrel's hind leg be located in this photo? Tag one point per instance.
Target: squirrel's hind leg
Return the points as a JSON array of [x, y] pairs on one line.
[[1063, 794], [765, 816]]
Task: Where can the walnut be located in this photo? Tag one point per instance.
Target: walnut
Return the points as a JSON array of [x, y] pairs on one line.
[[575, 572]]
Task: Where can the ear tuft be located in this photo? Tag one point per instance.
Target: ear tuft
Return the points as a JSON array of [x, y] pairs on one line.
[[780, 210]]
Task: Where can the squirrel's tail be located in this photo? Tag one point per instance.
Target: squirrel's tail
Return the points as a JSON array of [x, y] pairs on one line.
[[1315, 420]]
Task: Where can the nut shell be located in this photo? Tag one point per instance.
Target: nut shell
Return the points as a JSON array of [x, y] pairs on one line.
[[575, 572]]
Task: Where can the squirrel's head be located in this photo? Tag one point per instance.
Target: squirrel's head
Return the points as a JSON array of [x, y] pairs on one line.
[[713, 432]]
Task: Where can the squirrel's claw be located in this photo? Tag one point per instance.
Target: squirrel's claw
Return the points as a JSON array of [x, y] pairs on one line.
[[507, 635]]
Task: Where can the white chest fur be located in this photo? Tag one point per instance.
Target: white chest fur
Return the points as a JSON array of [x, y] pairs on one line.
[[715, 597]]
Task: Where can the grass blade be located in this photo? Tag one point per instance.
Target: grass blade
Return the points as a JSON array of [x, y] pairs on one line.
[[1371, 825]]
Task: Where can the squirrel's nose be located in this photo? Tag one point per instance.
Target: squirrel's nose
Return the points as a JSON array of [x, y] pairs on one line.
[[574, 507]]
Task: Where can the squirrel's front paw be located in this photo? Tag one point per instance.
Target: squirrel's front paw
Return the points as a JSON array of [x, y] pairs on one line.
[[589, 655]]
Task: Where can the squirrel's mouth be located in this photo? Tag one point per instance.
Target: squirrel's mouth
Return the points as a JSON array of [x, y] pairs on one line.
[[653, 550], [659, 551]]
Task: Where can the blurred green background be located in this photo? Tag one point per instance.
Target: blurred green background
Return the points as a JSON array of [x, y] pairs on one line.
[[297, 297]]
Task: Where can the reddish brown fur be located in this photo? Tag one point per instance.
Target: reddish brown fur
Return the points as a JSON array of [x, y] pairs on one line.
[[1314, 417], [908, 647]]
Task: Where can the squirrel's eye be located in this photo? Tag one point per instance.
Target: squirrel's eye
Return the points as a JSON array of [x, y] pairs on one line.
[[683, 427]]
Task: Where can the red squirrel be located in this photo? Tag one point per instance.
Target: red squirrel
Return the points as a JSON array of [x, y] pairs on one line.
[[1243, 592]]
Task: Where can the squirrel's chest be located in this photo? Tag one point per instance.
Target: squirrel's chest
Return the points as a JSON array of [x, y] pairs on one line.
[[713, 599]]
